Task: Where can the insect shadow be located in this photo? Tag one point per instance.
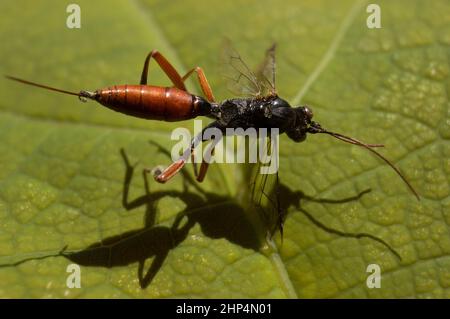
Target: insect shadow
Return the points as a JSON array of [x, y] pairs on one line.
[[289, 198], [218, 216]]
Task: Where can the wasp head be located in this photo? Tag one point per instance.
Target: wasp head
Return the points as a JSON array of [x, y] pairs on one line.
[[300, 127]]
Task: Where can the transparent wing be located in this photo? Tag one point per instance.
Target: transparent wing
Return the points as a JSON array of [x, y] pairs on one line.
[[241, 80], [265, 73], [264, 194]]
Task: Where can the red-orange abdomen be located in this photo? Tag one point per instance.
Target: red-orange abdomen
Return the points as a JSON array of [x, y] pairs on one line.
[[149, 102]]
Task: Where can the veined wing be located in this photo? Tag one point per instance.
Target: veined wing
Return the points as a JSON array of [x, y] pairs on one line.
[[264, 192], [265, 73], [241, 80]]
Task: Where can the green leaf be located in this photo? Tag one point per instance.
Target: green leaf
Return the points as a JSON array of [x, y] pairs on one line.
[[63, 175]]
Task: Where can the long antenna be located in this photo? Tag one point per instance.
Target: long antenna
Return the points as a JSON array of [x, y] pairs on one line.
[[316, 128], [82, 94]]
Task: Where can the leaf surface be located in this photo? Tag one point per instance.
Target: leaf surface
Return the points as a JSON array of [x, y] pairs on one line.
[[63, 176]]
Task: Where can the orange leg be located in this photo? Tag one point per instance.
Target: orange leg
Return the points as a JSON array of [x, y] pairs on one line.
[[165, 65], [166, 174], [178, 81], [200, 176], [169, 172], [206, 88], [203, 169], [175, 167]]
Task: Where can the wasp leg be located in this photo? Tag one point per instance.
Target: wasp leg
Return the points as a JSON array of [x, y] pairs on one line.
[[206, 88], [200, 175], [166, 174], [203, 168], [165, 65], [169, 172]]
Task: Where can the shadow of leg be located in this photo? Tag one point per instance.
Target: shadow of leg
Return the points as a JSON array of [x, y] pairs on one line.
[[157, 263], [294, 199], [348, 234]]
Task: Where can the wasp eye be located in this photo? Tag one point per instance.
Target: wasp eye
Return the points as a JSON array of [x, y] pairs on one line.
[[308, 112]]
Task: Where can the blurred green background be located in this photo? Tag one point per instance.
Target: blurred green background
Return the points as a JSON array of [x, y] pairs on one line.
[[62, 175]]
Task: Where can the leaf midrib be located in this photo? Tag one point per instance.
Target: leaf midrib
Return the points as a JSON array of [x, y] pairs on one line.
[[330, 52]]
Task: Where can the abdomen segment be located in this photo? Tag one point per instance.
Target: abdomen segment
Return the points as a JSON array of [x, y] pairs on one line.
[[149, 102]]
